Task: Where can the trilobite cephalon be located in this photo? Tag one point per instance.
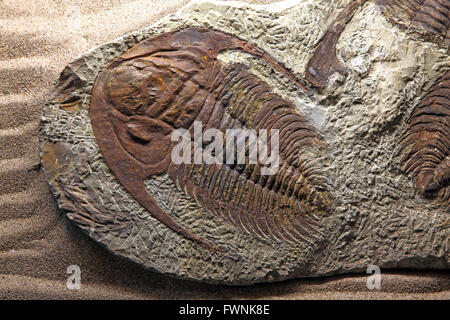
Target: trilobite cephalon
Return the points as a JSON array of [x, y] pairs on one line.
[[430, 17], [171, 80], [426, 143]]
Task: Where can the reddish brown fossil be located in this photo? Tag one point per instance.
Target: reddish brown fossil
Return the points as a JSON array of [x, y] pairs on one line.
[[426, 144], [324, 60], [169, 81]]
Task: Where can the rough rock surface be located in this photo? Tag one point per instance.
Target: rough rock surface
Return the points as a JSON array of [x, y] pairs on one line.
[[377, 217]]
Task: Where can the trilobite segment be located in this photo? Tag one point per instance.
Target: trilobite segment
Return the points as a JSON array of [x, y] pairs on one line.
[[282, 206], [424, 16], [175, 79], [426, 144]]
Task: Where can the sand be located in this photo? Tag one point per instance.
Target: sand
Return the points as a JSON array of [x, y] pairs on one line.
[[37, 39]]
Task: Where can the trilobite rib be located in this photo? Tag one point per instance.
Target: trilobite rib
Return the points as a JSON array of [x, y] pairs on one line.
[[423, 16], [279, 207], [172, 80], [426, 144]]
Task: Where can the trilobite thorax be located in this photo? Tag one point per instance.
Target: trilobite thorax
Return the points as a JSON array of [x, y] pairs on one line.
[[172, 80], [429, 17], [426, 143]]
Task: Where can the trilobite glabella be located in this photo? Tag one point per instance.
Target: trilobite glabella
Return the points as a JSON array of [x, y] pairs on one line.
[[169, 81], [426, 143]]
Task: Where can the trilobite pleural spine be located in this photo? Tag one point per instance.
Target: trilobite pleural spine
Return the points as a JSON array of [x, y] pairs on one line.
[[426, 144], [169, 81]]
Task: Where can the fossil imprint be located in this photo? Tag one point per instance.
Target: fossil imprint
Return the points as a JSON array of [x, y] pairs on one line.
[[426, 143], [168, 82], [107, 150], [430, 18]]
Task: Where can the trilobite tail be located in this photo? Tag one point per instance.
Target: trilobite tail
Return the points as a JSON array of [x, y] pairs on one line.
[[432, 181]]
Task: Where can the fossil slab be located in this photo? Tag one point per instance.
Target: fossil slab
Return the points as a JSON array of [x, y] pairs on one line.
[[363, 168]]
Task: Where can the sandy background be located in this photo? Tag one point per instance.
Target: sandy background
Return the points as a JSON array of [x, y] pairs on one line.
[[37, 39]]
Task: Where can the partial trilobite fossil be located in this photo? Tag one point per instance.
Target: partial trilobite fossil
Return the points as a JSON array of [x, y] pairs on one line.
[[426, 17], [324, 60], [169, 81], [426, 144], [430, 17]]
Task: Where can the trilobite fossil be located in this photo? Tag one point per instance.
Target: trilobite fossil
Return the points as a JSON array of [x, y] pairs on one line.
[[428, 17], [171, 80], [431, 17], [426, 143]]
